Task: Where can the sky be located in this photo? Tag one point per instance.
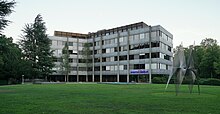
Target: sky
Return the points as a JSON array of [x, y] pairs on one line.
[[188, 20]]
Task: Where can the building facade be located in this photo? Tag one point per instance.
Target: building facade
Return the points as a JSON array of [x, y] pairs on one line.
[[131, 53]]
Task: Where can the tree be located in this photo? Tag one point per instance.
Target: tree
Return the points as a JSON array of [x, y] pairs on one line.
[[5, 10], [64, 65], [10, 56], [87, 58], [36, 48], [211, 49], [217, 65]]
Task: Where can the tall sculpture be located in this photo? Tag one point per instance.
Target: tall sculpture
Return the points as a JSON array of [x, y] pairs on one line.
[[183, 69]]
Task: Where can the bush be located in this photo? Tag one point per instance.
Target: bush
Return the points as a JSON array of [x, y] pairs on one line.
[[3, 82], [159, 80], [211, 81]]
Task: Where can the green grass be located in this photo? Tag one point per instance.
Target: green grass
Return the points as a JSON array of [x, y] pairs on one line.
[[102, 98]]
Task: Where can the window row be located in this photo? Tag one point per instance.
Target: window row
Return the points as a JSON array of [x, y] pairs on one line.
[[122, 39], [135, 57], [134, 67], [73, 60]]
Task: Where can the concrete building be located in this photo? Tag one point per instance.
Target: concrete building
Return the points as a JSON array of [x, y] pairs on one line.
[[135, 52]]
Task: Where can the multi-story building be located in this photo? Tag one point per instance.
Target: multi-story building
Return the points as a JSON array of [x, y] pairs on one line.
[[135, 52]]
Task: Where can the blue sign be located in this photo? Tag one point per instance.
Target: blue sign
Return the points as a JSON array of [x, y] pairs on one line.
[[139, 71]]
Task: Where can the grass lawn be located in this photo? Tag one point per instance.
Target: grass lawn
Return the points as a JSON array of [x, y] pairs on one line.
[[103, 98]]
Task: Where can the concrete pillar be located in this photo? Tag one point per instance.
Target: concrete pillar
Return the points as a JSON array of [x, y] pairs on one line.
[[150, 29], [118, 73]]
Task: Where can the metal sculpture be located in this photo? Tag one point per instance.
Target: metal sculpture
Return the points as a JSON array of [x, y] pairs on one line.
[[183, 69]]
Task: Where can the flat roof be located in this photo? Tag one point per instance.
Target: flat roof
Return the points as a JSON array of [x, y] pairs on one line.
[[70, 34]]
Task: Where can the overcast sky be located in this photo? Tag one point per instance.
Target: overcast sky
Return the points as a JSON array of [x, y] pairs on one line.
[[187, 20]]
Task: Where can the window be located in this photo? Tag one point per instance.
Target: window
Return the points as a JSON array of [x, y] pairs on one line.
[[73, 68], [131, 57], [155, 55], [108, 50], [63, 42], [107, 42], [139, 66], [116, 67], [116, 40], [112, 41], [97, 60], [74, 44], [115, 49], [124, 57], [95, 51], [111, 58], [112, 68], [103, 50], [80, 44], [116, 58], [131, 38], [70, 60], [146, 66], [97, 68], [103, 59], [54, 42], [103, 68], [169, 48], [73, 52], [125, 48], [107, 59], [121, 67], [121, 39], [70, 44], [155, 44], [136, 37], [142, 36], [147, 36], [108, 68], [82, 68], [125, 67], [153, 34], [111, 50], [154, 66]]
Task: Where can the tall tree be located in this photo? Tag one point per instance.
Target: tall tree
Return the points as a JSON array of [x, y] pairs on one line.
[[36, 48], [211, 49], [87, 58], [5, 10], [217, 63], [10, 56], [65, 65]]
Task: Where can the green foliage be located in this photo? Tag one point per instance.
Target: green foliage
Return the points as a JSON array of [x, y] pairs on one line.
[[108, 99], [5, 10], [217, 67], [159, 80], [65, 65], [36, 48], [10, 59], [211, 81], [206, 57], [210, 56]]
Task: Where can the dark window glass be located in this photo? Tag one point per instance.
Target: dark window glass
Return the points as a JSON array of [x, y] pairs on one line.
[[124, 57], [97, 68], [116, 58], [131, 57], [103, 50], [103, 59], [155, 55], [103, 68]]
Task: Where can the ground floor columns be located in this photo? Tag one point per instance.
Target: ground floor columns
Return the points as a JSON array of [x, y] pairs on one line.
[[117, 77], [93, 77]]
